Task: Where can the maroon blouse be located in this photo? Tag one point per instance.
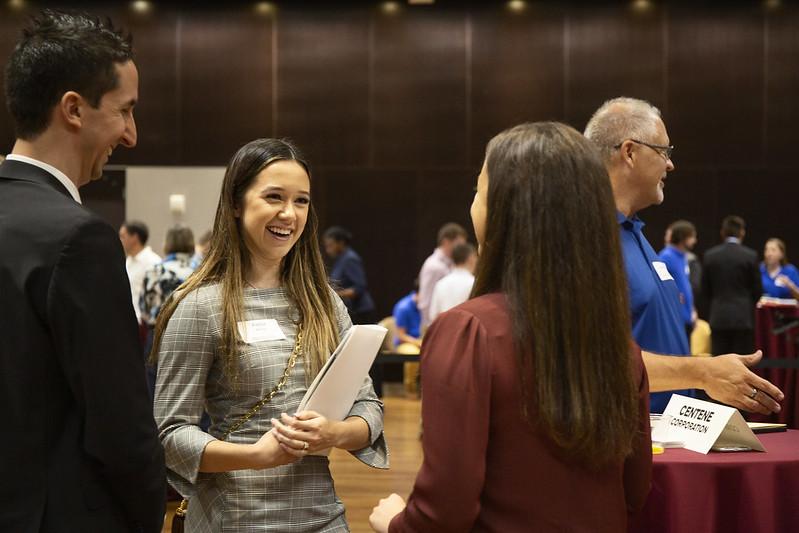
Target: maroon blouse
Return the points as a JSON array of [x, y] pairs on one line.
[[485, 468]]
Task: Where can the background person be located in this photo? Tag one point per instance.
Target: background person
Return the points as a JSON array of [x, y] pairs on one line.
[[455, 288], [140, 258], [731, 284], [438, 265], [348, 276], [524, 384], [682, 239], [780, 279], [263, 265]]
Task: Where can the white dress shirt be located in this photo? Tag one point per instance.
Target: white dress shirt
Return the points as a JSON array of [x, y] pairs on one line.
[[137, 265], [451, 290], [57, 174]]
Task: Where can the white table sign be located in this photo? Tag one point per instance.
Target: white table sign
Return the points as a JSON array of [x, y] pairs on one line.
[[703, 425]]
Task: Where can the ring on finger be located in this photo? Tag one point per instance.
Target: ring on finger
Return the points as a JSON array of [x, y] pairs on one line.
[[305, 446], [754, 393]]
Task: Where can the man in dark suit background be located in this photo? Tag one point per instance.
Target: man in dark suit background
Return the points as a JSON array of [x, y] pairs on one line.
[[79, 450], [731, 285]]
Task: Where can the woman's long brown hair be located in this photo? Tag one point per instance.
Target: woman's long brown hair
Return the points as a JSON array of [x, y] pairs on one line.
[[552, 247], [302, 271]]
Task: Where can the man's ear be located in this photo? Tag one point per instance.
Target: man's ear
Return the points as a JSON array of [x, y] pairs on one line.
[[70, 108], [627, 153]]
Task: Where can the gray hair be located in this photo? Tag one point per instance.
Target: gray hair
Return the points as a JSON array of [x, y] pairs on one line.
[[620, 119]]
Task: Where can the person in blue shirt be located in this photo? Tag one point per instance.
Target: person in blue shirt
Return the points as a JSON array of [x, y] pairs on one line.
[[682, 238], [408, 321], [780, 279], [634, 145], [347, 275]]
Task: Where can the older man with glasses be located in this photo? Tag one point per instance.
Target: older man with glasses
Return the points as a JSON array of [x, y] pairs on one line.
[[635, 147]]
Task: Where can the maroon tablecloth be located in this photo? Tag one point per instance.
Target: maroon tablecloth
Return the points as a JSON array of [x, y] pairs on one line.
[[742, 492], [776, 346]]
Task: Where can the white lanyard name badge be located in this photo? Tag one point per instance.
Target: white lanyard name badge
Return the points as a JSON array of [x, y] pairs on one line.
[[662, 270], [267, 329], [701, 425]]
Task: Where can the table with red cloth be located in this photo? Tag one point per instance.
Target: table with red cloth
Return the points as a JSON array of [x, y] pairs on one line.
[[729, 492], [776, 333]]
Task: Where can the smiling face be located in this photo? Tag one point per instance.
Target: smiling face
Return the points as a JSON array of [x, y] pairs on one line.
[[274, 210], [652, 167], [110, 124]]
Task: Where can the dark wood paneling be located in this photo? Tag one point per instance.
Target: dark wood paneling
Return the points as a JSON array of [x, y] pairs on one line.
[[11, 23], [613, 51], [380, 209], [323, 80], [517, 67], [224, 82], [157, 113], [715, 86], [782, 86], [420, 87]]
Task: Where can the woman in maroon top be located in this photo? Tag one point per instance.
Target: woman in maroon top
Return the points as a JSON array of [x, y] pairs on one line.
[[535, 400]]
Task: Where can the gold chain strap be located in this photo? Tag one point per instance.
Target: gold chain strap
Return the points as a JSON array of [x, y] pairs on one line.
[[255, 408], [296, 352]]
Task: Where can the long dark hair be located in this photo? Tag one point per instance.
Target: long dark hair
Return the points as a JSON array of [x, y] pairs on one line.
[[302, 271], [552, 247]]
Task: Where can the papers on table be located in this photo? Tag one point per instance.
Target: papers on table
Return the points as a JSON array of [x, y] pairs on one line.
[[766, 427], [771, 301]]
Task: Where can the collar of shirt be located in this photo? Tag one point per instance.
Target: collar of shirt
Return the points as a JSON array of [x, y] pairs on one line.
[[441, 256], [57, 174], [733, 240], [676, 250], [630, 223], [146, 251]]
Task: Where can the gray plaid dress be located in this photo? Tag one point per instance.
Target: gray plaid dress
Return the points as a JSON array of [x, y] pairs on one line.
[[295, 497]]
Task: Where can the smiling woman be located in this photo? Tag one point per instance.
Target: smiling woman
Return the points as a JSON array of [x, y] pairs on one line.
[[242, 339]]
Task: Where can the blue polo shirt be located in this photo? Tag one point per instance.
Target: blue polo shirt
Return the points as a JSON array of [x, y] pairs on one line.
[[654, 301], [407, 316], [770, 288], [678, 268]]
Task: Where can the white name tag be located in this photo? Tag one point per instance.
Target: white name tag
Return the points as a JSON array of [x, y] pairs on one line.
[[253, 331], [663, 272]]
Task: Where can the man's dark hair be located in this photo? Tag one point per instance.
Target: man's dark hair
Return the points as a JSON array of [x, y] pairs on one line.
[[338, 234], [461, 253], [138, 228], [61, 52], [451, 231], [732, 226], [179, 240], [681, 231]]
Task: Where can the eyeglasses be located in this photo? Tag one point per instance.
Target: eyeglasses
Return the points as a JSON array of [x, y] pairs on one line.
[[664, 151]]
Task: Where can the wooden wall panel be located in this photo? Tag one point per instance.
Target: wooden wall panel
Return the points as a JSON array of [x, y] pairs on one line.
[[782, 86], [419, 88], [157, 113], [715, 86], [11, 23], [380, 209], [613, 51], [224, 82], [323, 80], [517, 70]]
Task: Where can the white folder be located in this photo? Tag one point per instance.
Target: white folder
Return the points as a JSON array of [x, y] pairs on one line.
[[334, 389]]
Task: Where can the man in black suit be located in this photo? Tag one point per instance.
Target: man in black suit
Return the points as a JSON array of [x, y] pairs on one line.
[[731, 285], [79, 450]]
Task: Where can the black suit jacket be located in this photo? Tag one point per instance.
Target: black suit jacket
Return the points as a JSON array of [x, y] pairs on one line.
[[731, 286], [79, 448]]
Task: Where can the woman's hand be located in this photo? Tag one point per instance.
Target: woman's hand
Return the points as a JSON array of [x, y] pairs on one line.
[[267, 452], [306, 433], [385, 511]]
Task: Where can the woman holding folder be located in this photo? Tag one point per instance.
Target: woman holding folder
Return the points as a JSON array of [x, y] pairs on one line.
[[535, 406], [242, 339]]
